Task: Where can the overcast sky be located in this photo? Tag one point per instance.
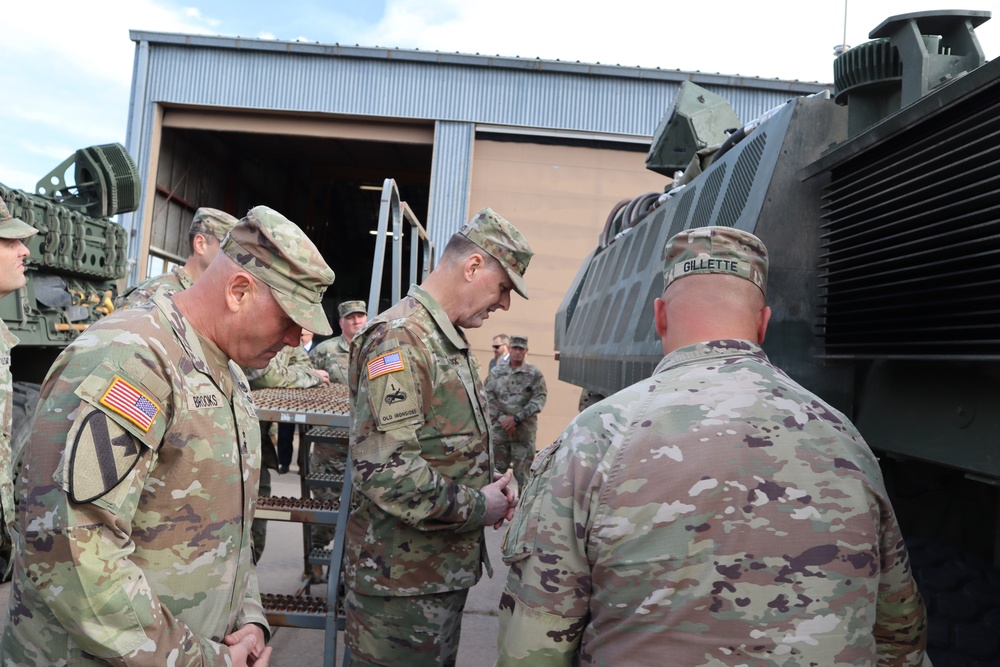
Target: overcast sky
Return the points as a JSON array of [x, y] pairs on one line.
[[66, 67]]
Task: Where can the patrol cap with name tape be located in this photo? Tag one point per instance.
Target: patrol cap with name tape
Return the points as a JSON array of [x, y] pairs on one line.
[[491, 232], [11, 227], [722, 250], [519, 341], [213, 222], [274, 250], [350, 307]]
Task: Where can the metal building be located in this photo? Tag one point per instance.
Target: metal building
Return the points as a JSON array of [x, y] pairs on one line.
[[312, 130]]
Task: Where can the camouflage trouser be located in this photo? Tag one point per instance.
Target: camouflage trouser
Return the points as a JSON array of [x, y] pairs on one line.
[[518, 455], [413, 630], [328, 459]]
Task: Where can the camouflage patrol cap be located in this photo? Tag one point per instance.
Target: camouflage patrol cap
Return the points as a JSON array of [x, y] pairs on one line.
[[348, 307], [501, 240], [11, 227], [213, 222], [722, 250], [519, 341], [279, 254]]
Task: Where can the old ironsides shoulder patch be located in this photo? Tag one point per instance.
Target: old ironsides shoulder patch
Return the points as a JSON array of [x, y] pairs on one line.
[[130, 403], [103, 454]]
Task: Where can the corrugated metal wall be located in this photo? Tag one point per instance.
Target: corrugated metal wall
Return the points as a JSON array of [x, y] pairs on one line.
[[456, 90]]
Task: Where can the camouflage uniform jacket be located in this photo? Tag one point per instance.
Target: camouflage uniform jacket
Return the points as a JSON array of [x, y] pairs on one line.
[[519, 392], [175, 280], [716, 513], [157, 569], [290, 368], [7, 342], [420, 453], [334, 357]]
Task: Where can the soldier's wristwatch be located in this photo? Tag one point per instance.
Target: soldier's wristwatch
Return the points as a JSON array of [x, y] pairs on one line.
[[517, 419]]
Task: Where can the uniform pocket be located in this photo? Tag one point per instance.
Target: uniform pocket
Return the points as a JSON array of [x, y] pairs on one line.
[[520, 540]]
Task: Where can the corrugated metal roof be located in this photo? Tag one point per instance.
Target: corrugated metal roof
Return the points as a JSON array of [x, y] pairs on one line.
[[458, 91], [296, 76]]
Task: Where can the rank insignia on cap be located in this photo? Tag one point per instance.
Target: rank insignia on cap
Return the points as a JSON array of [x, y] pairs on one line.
[[130, 403], [387, 363]]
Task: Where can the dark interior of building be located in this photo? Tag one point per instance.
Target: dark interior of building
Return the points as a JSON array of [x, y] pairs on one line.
[[331, 188]]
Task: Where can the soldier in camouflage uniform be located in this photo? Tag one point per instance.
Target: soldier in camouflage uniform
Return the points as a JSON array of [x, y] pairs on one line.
[[290, 368], [13, 252], [420, 454], [516, 392], [716, 513], [140, 480], [208, 227], [334, 356]]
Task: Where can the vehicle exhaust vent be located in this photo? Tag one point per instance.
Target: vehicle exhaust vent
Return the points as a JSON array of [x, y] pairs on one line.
[[741, 181], [910, 242], [709, 195]]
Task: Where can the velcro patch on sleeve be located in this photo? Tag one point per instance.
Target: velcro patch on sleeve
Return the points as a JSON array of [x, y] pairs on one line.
[[131, 403], [390, 362], [103, 454]]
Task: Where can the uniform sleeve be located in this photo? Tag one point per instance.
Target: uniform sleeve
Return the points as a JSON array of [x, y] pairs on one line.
[[493, 400], [81, 551], [286, 371], [545, 605], [900, 617], [387, 458], [324, 358], [539, 392]]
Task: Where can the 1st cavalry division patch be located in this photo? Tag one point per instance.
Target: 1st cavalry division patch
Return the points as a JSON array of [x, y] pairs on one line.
[[103, 453]]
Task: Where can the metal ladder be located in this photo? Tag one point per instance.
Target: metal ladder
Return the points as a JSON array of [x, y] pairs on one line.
[[301, 610]]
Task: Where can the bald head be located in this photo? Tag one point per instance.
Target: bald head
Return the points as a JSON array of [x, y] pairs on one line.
[[708, 307]]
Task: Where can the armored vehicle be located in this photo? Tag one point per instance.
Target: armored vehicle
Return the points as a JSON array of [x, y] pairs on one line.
[[76, 258], [879, 205]]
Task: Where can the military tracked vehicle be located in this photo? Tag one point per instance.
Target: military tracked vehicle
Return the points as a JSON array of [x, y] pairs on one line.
[[76, 259], [880, 206]]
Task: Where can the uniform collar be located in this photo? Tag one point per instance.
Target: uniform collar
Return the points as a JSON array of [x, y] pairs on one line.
[[207, 357], [718, 349], [451, 332]]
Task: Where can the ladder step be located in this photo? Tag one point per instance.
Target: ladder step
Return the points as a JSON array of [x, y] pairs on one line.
[[320, 556], [297, 611], [325, 480], [298, 510]]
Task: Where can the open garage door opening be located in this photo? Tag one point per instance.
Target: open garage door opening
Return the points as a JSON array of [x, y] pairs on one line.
[[329, 186]]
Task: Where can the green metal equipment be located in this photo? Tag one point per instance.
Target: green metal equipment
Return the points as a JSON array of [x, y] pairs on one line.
[[879, 207]]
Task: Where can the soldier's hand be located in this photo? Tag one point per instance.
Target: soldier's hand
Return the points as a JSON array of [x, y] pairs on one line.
[[508, 424], [246, 647], [511, 503], [322, 375], [500, 500]]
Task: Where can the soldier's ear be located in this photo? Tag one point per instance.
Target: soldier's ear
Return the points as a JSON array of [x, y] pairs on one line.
[[240, 291]]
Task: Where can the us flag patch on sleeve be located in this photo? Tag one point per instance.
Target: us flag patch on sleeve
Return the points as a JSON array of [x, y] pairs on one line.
[[130, 403], [389, 362]]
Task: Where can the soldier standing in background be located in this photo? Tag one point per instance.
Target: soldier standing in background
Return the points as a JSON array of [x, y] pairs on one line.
[[501, 351], [290, 368], [140, 478], [516, 392], [334, 355], [716, 513], [13, 252], [208, 227], [421, 459]]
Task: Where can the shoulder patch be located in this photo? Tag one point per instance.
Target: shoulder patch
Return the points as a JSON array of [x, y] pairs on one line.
[[103, 454], [390, 362], [130, 403]]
